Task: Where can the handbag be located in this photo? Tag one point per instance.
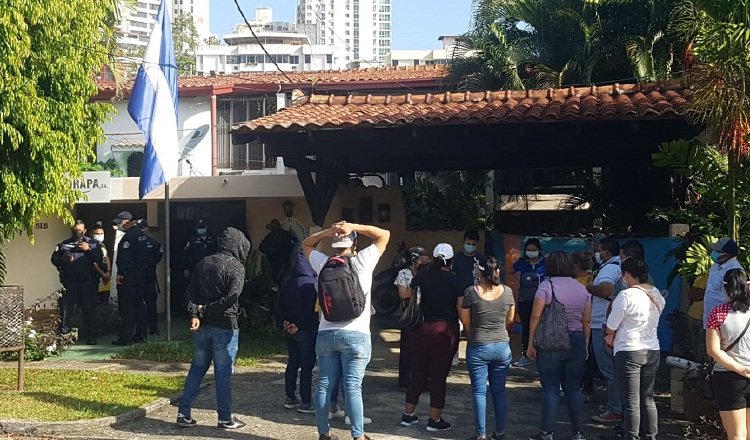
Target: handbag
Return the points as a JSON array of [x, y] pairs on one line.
[[708, 389], [552, 333], [412, 314]]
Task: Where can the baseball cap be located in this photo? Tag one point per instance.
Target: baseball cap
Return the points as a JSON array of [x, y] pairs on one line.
[[444, 251], [726, 245], [344, 241], [124, 215]]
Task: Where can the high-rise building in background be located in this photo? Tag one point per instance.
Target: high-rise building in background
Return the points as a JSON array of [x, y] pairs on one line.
[[286, 42], [359, 30], [139, 18]]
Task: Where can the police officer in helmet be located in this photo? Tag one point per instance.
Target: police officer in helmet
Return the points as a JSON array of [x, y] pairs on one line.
[[132, 275], [75, 259], [155, 254]]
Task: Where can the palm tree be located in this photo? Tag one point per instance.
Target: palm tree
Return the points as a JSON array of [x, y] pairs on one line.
[[719, 40], [554, 43]]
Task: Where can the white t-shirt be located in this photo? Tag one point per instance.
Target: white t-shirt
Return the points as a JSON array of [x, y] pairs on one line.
[[635, 316], [608, 273], [363, 264], [404, 278]]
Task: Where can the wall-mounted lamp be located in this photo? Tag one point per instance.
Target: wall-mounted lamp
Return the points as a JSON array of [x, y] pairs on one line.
[[288, 207]]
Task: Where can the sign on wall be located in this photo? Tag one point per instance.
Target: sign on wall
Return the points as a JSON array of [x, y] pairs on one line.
[[95, 186]]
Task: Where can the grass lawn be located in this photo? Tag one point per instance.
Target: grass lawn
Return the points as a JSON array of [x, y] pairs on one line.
[[57, 395], [254, 348]]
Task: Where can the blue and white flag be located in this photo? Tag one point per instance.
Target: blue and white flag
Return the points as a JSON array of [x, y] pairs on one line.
[[153, 105]]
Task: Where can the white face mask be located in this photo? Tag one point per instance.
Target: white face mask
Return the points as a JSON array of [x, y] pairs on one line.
[[598, 257], [532, 254], [99, 237]]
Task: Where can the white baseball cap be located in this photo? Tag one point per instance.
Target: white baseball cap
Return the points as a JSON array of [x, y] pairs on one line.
[[444, 251]]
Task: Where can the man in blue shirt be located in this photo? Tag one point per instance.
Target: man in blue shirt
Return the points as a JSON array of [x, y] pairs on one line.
[[725, 258]]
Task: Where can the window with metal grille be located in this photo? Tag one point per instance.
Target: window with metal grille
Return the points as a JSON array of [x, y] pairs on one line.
[[230, 111]]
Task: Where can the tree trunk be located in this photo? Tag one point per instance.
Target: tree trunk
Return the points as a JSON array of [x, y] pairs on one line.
[[734, 223]]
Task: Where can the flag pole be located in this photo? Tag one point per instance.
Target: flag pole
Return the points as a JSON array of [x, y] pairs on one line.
[[167, 254]]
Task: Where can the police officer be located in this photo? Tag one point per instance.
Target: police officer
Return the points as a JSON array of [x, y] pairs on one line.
[[76, 259], [151, 293], [202, 245], [132, 273]]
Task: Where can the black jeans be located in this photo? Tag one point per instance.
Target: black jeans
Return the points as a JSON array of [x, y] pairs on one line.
[[635, 372], [590, 372], [524, 311], [301, 348], [151, 293], [83, 293], [131, 302]]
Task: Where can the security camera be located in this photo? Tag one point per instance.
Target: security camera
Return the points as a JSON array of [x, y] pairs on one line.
[[226, 181]]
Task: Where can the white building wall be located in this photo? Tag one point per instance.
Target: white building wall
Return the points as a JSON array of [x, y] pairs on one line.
[[138, 19], [199, 9], [193, 113], [358, 21]]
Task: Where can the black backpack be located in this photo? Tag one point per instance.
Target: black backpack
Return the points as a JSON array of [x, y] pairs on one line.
[[340, 295], [528, 285]]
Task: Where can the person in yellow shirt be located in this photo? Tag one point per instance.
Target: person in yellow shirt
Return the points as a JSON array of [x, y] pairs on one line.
[[695, 318]]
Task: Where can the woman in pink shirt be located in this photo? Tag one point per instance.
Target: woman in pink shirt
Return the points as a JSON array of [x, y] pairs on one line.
[[562, 368]]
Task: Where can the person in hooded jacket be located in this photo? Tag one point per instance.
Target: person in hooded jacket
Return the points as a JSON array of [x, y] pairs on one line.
[[297, 299], [213, 294]]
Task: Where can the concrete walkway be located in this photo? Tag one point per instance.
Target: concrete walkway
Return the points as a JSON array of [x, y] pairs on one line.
[[259, 394]]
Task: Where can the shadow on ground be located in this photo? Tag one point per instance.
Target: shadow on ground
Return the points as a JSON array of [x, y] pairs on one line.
[[259, 393]]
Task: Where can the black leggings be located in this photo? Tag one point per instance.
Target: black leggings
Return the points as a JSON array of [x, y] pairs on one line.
[[524, 311]]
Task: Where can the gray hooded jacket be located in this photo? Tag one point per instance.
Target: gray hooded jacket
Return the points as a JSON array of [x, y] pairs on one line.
[[218, 279]]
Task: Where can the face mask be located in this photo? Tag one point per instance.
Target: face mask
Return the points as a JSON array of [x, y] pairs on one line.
[[715, 256], [421, 266], [78, 234], [121, 227], [598, 257], [201, 231], [470, 248], [532, 254], [99, 238]]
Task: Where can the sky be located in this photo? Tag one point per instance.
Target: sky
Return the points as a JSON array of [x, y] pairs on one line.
[[417, 24]]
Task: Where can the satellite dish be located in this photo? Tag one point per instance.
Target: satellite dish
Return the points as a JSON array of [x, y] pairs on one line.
[[191, 140]]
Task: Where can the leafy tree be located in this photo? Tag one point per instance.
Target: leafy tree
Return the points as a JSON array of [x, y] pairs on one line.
[[718, 34], [48, 124], [550, 43], [213, 40], [185, 40], [448, 200]]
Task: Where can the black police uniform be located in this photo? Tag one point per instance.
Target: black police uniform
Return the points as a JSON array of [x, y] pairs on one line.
[[151, 293], [133, 265], [80, 280], [197, 249]]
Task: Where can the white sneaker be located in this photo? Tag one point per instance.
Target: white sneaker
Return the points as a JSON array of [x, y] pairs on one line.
[[367, 420], [336, 415]]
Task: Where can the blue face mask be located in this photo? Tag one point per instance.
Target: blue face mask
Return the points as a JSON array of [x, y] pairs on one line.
[[201, 231], [715, 256], [470, 248]]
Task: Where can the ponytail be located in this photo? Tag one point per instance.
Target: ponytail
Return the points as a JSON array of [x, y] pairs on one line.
[[489, 269]]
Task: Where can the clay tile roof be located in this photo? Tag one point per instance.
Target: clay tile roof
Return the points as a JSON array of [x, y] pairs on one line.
[[371, 74], [607, 103]]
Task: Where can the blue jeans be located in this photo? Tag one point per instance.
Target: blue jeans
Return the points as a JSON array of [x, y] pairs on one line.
[[220, 345], [343, 354], [301, 349], [483, 361], [606, 361], [562, 368]]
